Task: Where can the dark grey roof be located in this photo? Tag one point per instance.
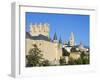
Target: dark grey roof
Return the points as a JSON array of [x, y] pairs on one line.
[[28, 35], [40, 37]]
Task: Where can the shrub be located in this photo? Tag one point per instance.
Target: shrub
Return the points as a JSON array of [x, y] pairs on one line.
[[62, 61], [46, 63]]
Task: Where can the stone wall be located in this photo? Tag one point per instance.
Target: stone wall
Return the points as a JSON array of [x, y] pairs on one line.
[[51, 51]]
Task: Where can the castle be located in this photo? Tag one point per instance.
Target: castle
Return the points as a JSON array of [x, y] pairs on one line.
[[39, 34], [52, 50]]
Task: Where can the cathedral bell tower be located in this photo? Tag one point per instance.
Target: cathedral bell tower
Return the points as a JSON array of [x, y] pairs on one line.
[[71, 39]]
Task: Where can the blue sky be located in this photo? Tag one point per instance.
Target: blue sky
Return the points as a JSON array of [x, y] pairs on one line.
[[63, 25]]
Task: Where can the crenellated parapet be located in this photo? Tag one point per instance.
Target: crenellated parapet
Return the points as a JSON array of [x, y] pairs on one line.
[[37, 29]]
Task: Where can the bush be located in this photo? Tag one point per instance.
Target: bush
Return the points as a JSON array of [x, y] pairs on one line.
[[74, 62], [71, 61], [46, 63], [78, 61], [84, 59], [62, 61]]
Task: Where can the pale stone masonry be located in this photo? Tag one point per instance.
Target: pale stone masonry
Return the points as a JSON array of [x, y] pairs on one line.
[[36, 29], [39, 35], [51, 51]]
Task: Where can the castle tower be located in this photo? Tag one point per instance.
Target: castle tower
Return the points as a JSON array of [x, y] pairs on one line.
[[46, 29], [37, 29], [71, 39]]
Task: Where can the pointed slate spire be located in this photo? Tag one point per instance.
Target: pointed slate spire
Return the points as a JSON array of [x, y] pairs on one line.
[[60, 40], [55, 36]]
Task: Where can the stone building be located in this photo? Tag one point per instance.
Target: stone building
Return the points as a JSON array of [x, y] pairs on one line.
[[39, 34]]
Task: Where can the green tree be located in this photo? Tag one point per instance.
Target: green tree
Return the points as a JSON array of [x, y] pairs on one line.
[[46, 63], [62, 61], [85, 58], [86, 61], [79, 61], [35, 57], [71, 61], [75, 62]]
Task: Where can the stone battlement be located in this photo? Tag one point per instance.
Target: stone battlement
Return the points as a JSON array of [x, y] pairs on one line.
[[37, 29]]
